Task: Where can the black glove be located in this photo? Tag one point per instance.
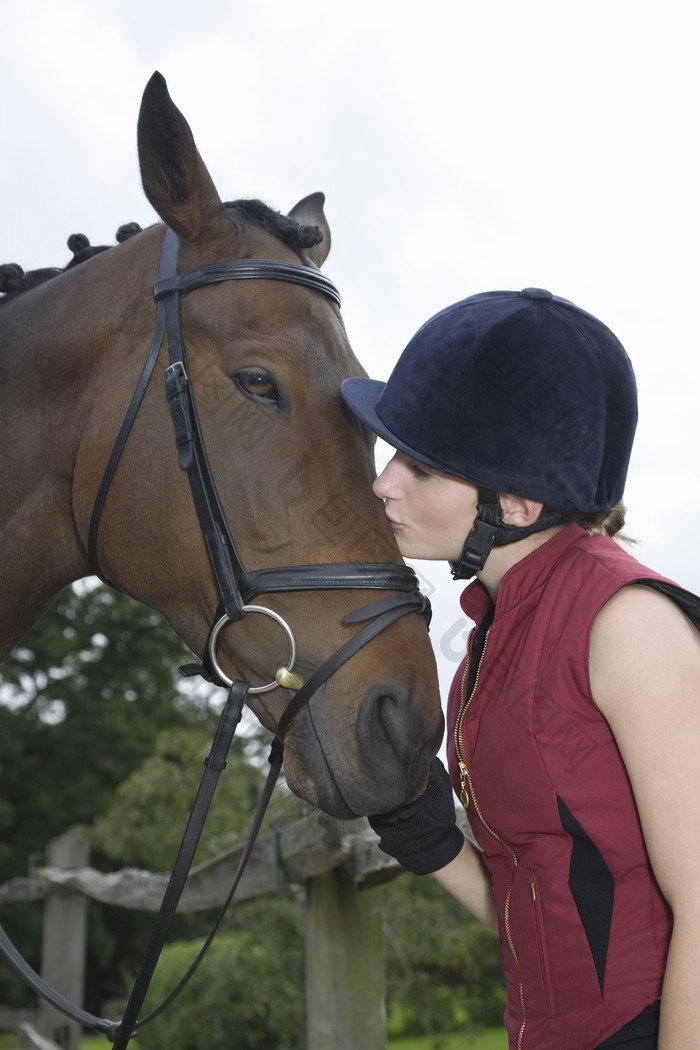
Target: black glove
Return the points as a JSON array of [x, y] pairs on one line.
[[423, 836]]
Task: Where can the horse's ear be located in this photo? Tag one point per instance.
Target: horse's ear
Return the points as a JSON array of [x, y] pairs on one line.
[[174, 176], [309, 212]]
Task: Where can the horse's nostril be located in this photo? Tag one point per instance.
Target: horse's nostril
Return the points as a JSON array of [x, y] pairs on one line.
[[401, 731], [391, 729]]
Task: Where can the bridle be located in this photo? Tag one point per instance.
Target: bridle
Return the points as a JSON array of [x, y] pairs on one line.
[[237, 587], [237, 590]]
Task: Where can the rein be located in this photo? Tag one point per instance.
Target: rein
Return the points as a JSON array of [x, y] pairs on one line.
[[237, 589]]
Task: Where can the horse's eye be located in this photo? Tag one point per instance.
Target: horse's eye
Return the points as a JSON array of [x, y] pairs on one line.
[[257, 384]]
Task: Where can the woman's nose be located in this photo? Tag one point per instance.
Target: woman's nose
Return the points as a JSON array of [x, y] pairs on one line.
[[381, 485], [378, 485]]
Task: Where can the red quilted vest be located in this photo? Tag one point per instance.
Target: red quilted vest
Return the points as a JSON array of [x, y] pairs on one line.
[[584, 927]]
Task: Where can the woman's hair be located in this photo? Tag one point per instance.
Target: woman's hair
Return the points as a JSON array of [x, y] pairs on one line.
[[602, 523]]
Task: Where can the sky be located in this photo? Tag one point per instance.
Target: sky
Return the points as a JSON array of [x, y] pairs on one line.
[[462, 147]]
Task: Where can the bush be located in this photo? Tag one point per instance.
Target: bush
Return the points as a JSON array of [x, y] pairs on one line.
[[444, 970], [247, 994]]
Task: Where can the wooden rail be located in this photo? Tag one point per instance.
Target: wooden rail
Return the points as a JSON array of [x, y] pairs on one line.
[[337, 863]]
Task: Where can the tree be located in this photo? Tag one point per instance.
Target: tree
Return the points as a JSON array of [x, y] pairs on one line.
[[246, 995], [143, 826], [82, 700], [444, 969]]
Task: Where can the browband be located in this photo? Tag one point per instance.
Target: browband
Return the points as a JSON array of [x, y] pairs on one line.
[[247, 269]]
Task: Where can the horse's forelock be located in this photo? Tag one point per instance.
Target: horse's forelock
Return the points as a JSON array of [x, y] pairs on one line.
[[295, 236]]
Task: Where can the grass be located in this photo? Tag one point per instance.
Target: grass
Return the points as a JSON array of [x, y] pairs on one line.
[[493, 1039]]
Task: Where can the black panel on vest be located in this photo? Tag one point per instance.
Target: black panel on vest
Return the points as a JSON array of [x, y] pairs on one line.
[[592, 887], [686, 601]]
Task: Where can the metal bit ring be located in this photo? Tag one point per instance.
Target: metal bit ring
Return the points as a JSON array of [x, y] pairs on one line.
[[266, 612]]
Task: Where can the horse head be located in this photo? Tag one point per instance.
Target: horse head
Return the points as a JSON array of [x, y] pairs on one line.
[[292, 470]]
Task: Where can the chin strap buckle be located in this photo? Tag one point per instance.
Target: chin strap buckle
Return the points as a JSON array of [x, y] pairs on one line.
[[476, 550], [481, 538]]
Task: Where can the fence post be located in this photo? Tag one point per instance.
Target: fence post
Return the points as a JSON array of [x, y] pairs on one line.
[[63, 942], [345, 982]]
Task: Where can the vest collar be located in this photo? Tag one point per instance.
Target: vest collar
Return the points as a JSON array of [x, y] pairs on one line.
[[523, 579]]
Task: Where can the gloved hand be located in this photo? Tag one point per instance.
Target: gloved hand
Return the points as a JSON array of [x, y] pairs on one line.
[[423, 835]]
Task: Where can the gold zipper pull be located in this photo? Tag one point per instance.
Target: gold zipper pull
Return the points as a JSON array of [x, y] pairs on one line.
[[463, 794], [533, 879]]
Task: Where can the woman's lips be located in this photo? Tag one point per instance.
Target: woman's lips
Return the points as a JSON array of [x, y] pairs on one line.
[[395, 525]]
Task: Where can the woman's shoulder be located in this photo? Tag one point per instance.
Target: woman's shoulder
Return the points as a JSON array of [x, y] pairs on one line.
[[639, 631], [639, 609]]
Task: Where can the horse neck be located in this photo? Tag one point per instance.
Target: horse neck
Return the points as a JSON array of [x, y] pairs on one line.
[[56, 343]]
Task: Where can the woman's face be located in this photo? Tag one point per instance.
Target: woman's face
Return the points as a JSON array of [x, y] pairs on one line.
[[431, 513]]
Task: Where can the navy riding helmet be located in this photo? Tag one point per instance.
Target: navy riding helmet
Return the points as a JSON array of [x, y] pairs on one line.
[[516, 392]]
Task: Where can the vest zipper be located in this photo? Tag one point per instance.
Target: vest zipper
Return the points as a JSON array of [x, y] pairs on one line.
[[467, 797]]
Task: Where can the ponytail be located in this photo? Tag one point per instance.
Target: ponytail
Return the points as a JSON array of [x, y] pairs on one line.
[[604, 523]]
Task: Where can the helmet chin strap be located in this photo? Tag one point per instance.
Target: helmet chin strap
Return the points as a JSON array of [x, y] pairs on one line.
[[490, 530], [482, 536]]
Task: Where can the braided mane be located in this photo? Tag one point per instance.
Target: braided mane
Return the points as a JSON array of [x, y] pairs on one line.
[[14, 281]]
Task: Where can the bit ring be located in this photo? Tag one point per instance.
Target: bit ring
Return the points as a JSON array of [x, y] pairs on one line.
[[216, 630]]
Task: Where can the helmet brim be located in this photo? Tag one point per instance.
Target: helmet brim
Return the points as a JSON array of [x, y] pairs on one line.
[[362, 396]]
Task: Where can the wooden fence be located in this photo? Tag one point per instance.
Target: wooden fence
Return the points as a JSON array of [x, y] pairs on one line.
[[338, 864]]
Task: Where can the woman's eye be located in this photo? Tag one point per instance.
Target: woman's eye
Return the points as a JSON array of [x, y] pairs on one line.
[[257, 384], [418, 472]]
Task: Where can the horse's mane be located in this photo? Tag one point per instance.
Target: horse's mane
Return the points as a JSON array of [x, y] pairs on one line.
[[14, 280]]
